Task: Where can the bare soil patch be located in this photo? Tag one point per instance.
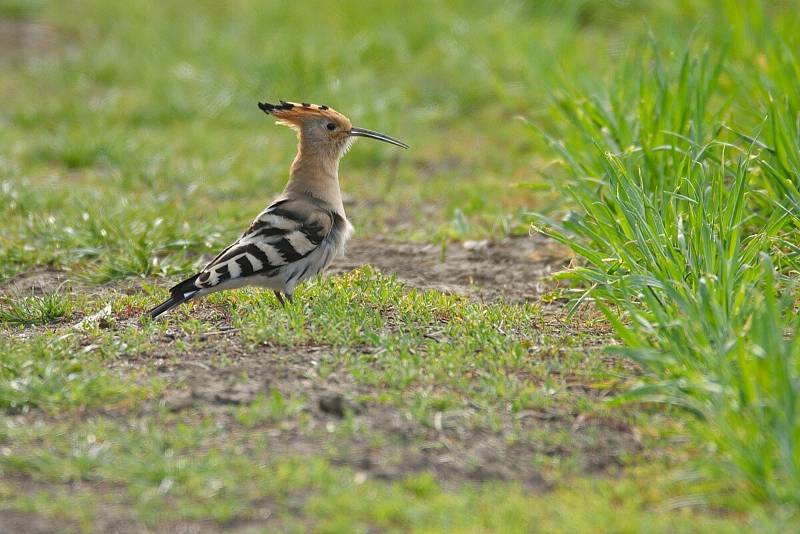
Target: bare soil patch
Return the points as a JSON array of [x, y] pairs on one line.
[[14, 521], [37, 283], [514, 269], [24, 38]]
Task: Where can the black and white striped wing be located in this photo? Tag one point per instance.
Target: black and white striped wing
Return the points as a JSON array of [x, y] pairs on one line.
[[290, 241], [285, 233]]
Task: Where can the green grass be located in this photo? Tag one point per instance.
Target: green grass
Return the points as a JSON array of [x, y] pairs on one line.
[[446, 351], [219, 464], [31, 310], [57, 374], [167, 477], [681, 230], [131, 148]]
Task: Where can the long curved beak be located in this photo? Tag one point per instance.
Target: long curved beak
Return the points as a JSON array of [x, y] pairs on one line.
[[363, 132]]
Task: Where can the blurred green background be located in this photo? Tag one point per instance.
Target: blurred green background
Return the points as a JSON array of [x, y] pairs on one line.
[[136, 122]]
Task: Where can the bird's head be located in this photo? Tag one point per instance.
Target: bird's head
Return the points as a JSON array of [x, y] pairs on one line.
[[321, 127]]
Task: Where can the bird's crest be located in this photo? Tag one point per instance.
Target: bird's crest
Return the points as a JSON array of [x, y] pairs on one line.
[[292, 113]]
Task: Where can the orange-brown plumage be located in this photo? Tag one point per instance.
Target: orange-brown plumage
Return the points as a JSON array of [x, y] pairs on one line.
[[293, 114]]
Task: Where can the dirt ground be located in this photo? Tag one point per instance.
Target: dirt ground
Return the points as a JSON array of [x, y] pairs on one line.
[[514, 270], [453, 448], [25, 39]]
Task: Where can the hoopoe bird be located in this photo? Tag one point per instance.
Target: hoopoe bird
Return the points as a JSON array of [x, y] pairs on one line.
[[297, 236]]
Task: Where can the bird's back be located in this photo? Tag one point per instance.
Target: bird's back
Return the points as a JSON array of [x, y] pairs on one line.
[[292, 240]]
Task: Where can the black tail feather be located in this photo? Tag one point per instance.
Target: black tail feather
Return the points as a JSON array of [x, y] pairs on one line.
[[180, 294], [166, 306]]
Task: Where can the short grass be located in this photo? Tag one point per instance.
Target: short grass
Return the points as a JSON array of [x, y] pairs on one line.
[[87, 441], [131, 147], [30, 310]]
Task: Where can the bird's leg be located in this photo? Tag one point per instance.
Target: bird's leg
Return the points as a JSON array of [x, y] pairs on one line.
[[280, 298], [290, 298]]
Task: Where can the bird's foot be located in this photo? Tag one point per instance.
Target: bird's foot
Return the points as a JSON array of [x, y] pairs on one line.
[[280, 296]]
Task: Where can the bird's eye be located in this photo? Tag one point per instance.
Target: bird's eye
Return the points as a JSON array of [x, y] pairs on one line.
[[331, 126]]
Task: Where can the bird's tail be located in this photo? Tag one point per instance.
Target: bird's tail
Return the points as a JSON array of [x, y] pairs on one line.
[[179, 294]]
